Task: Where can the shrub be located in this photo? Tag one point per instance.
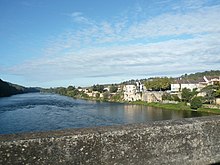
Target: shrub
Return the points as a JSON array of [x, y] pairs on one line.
[[196, 103]]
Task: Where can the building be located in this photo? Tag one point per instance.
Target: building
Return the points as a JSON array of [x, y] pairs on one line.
[[198, 84], [132, 93], [152, 96]]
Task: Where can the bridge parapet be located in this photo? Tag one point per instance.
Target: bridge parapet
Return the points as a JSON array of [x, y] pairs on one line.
[[185, 141]]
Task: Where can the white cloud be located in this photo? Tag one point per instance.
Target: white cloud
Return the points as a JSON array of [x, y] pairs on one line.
[[119, 48], [170, 56]]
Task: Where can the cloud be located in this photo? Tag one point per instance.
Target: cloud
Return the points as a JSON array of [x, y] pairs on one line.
[[78, 17], [139, 59], [167, 43]]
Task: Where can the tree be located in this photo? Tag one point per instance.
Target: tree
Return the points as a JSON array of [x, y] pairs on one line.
[[70, 88], [186, 95], [158, 84], [196, 103], [98, 88], [176, 98], [97, 95], [217, 94], [210, 93], [166, 96], [113, 89], [117, 97], [106, 96]]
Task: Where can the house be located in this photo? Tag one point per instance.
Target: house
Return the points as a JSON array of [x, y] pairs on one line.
[[132, 92], [198, 84], [180, 84]]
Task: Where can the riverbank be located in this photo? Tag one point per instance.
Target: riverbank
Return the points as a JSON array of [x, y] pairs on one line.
[[178, 106], [169, 106]]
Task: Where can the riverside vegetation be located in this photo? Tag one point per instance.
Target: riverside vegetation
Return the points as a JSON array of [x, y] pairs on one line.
[[188, 100], [9, 89]]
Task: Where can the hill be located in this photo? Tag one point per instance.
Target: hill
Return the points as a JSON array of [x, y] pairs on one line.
[[8, 89], [199, 75]]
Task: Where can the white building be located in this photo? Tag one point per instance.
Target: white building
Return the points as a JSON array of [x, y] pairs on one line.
[[131, 93], [179, 85]]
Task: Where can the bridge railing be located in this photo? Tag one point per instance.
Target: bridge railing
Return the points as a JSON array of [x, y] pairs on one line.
[[185, 141]]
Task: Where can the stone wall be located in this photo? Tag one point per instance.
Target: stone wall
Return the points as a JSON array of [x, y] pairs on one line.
[[218, 101], [152, 96], [185, 141]]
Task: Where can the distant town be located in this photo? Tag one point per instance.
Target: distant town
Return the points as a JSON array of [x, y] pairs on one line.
[[193, 91], [199, 91]]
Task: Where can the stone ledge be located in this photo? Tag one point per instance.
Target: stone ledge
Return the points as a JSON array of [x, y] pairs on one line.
[[185, 141]]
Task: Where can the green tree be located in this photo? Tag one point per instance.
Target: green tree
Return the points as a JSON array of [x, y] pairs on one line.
[[166, 96], [217, 93], [196, 103], [117, 97], [113, 88], [158, 84], [187, 94], [106, 96], [70, 88], [176, 98], [210, 93], [97, 95], [99, 88]]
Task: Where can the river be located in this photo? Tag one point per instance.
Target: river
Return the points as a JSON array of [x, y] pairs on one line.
[[43, 111]]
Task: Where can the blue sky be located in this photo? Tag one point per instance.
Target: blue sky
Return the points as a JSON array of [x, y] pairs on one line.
[[59, 43]]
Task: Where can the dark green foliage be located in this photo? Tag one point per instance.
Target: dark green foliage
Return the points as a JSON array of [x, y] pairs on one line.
[[217, 93], [97, 95], [198, 75], [71, 88], [212, 92], [99, 88], [69, 91], [117, 97], [167, 96], [176, 98], [158, 84], [113, 88], [106, 96], [8, 89], [196, 103], [187, 94]]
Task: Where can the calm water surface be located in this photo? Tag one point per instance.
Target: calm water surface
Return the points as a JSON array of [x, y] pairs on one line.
[[40, 111]]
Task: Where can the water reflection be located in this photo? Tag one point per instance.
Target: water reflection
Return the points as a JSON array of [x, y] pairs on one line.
[[37, 112]]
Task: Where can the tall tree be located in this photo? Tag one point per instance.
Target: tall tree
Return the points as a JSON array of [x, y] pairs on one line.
[[187, 94], [158, 84]]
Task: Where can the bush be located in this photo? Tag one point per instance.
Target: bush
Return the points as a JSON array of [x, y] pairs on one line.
[[196, 103]]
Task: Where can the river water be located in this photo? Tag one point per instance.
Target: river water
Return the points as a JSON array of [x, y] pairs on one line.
[[42, 111]]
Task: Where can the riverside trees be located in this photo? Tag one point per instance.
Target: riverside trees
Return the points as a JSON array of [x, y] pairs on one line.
[[158, 84]]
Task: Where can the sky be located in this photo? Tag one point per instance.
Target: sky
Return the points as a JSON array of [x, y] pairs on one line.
[[51, 43]]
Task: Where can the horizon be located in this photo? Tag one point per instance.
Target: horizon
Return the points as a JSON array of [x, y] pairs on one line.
[[177, 76], [80, 43]]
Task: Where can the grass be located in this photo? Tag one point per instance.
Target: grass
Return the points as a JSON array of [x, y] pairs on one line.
[[178, 106], [209, 110], [169, 106]]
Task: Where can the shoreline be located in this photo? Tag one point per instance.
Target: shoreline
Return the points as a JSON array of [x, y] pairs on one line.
[[169, 106], [178, 106]]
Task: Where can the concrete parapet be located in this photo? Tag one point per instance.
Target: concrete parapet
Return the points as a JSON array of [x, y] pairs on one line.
[[185, 141]]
